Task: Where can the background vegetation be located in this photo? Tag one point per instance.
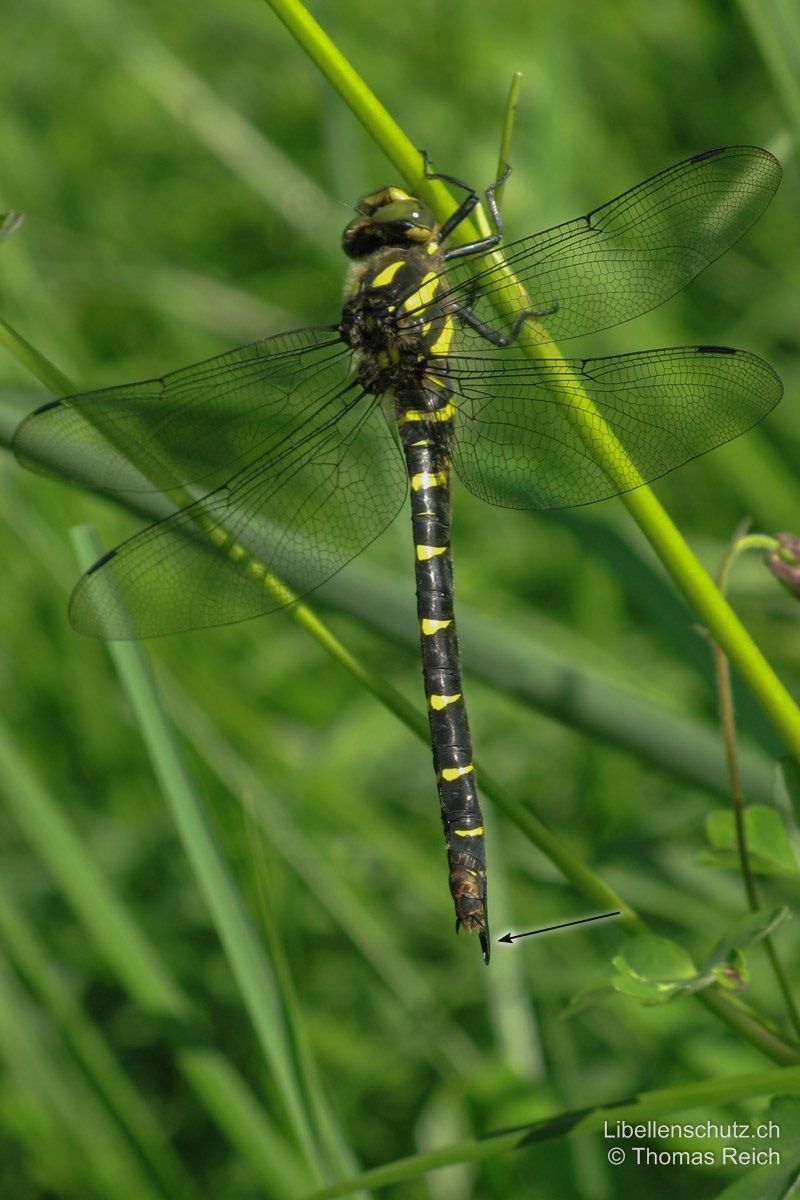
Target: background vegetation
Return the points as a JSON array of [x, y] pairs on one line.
[[186, 173]]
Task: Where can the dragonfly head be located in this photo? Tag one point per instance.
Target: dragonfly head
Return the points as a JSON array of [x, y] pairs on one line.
[[390, 217]]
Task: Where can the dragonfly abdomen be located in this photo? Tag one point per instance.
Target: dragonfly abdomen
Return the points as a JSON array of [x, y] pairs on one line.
[[425, 438]]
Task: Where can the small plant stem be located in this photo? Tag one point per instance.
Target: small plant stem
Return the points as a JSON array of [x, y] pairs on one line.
[[509, 117], [738, 545], [728, 722], [37, 364], [704, 597], [376, 120], [249, 965]]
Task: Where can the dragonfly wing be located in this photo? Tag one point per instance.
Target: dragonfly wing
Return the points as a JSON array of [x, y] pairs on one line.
[[522, 441], [271, 534], [190, 425], [628, 256]]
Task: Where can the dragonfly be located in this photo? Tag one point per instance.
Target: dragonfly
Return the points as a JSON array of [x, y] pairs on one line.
[[291, 455]]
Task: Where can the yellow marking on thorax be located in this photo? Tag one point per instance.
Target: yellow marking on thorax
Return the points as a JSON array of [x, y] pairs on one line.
[[424, 294], [445, 413], [478, 832], [430, 625], [440, 702], [386, 276], [426, 552], [426, 479], [442, 344], [448, 774]]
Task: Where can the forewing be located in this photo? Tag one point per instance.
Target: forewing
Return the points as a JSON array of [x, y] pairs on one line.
[[194, 423], [289, 521], [522, 441], [628, 256]]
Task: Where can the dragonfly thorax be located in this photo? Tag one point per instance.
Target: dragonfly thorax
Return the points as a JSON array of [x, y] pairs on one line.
[[395, 319]]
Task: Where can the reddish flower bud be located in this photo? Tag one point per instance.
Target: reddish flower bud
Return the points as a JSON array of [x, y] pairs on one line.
[[785, 562]]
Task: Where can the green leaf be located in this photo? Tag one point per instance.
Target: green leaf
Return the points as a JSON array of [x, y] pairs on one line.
[[768, 845], [655, 958], [653, 969]]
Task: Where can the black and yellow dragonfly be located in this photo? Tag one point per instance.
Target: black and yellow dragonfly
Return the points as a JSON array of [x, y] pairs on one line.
[[297, 451]]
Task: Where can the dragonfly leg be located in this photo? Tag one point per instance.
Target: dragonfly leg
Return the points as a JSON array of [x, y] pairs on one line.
[[493, 239], [467, 315], [465, 208], [481, 244]]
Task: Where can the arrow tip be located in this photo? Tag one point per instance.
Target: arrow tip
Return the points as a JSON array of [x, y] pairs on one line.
[[508, 938]]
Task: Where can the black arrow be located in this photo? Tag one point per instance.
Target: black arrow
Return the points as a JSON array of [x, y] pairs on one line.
[[512, 937]]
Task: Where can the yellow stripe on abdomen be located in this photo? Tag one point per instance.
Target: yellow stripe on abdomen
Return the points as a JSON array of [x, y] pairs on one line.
[[426, 479], [445, 413], [448, 774], [430, 625]]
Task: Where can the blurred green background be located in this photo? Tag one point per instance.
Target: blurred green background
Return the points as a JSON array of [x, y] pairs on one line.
[[186, 173]]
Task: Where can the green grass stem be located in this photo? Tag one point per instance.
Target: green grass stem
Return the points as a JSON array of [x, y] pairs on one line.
[[647, 1105], [140, 971], [36, 363], [250, 967], [774, 28], [96, 1155], [31, 959]]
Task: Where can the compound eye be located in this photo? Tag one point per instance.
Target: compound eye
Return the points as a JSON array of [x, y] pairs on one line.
[[408, 214]]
